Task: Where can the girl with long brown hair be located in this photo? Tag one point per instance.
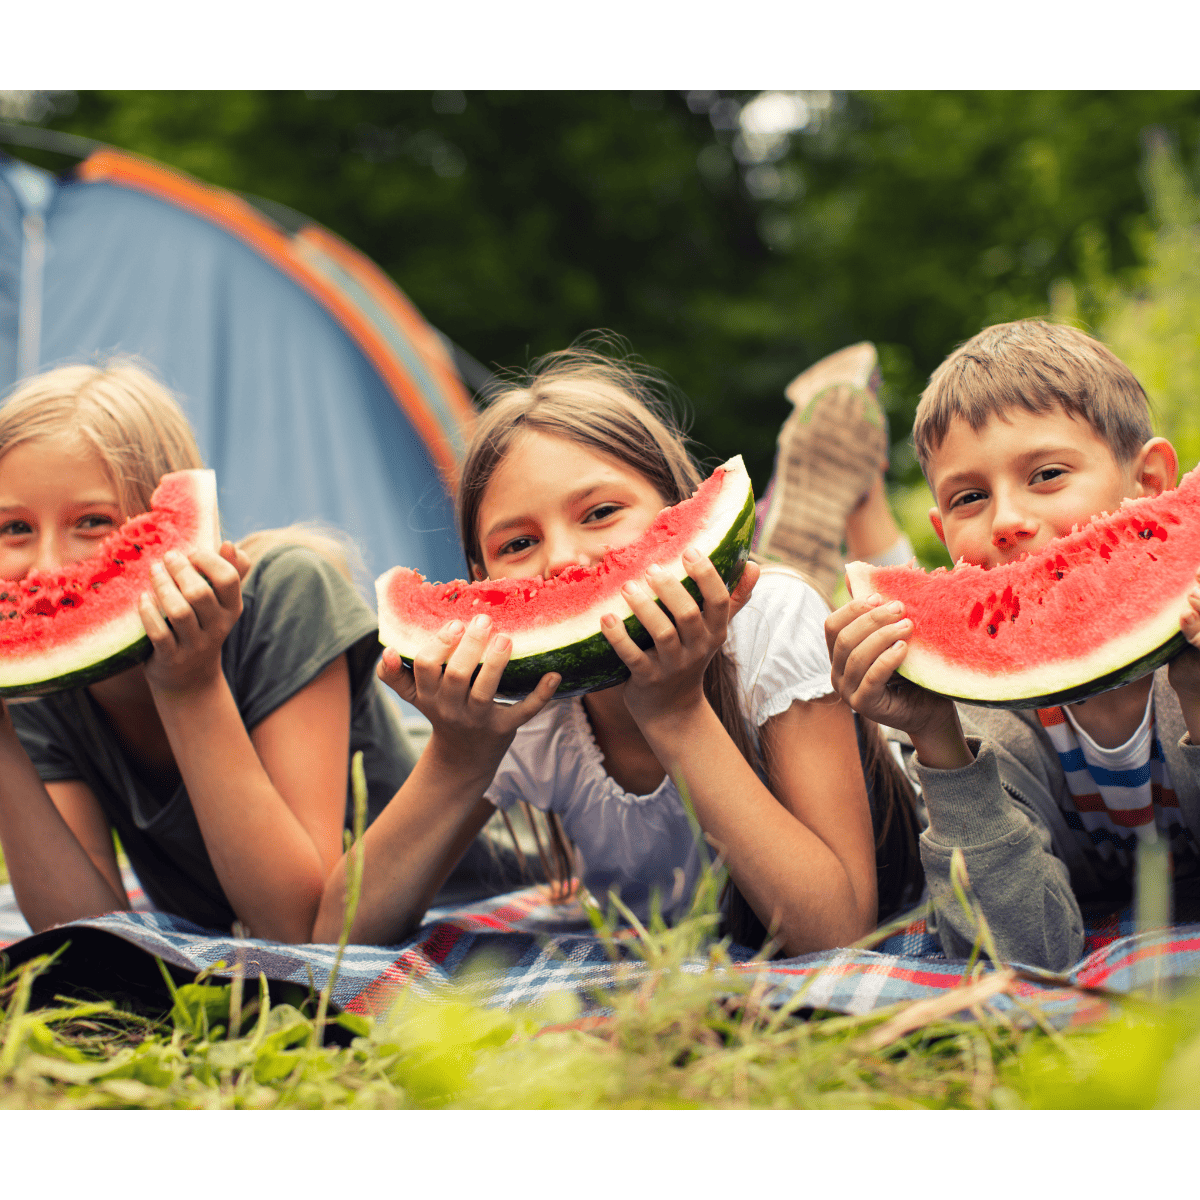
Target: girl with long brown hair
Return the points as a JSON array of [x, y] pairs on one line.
[[732, 704]]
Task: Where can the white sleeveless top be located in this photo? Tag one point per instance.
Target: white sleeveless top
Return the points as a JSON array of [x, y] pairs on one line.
[[634, 844]]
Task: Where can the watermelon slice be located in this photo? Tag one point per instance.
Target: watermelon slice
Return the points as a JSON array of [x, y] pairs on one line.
[[77, 625], [554, 623], [1090, 611]]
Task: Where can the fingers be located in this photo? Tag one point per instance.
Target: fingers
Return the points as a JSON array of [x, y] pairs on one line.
[[495, 658], [743, 589], [396, 675], [429, 660], [866, 638], [237, 558], [1190, 621], [196, 594], [517, 714], [843, 617], [466, 656]]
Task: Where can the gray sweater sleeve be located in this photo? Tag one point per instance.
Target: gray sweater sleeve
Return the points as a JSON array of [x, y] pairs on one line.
[[1001, 811]]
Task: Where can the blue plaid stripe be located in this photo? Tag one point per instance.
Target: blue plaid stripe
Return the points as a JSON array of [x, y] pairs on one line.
[[533, 958]]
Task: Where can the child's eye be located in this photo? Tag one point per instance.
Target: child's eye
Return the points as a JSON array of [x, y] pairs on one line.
[[15, 529], [518, 545], [967, 498], [602, 511], [95, 521], [1045, 474]]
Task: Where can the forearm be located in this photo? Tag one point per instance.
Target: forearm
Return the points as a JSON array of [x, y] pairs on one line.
[[789, 875], [410, 850], [1023, 889], [52, 876], [268, 865]]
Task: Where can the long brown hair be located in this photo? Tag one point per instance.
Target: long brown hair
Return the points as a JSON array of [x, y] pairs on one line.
[[619, 409]]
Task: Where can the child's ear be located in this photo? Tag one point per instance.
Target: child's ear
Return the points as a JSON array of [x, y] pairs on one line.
[[477, 573], [1156, 467], [935, 519]]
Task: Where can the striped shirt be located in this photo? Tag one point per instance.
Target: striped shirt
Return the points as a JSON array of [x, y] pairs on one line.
[[1121, 795]]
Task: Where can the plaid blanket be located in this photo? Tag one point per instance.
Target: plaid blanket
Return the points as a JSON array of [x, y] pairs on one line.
[[518, 949]]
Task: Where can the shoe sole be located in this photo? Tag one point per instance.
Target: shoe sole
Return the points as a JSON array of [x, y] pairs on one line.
[[830, 451]]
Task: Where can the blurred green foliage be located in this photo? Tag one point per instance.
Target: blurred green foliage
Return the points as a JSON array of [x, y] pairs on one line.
[[1149, 313], [517, 221]]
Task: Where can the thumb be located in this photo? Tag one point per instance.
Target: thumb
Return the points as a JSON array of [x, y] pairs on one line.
[[745, 586]]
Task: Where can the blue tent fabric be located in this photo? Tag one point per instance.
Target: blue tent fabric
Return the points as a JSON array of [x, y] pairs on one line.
[[288, 409]]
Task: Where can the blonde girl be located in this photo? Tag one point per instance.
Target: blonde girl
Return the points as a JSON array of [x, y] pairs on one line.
[[734, 699], [222, 761]]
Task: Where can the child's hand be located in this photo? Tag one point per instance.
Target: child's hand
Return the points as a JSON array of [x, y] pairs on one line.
[[1184, 671], [468, 726], [669, 677], [865, 648], [201, 598]]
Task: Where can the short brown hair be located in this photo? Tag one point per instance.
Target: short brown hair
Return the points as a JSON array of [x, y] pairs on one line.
[[1038, 367]]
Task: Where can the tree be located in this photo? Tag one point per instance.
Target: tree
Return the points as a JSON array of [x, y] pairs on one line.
[[517, 221]]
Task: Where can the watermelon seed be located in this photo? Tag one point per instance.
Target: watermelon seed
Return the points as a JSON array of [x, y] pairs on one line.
[[1146, 533], [13, 613], [992, 631]]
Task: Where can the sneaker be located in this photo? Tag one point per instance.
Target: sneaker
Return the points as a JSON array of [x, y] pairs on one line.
[[831, 450]]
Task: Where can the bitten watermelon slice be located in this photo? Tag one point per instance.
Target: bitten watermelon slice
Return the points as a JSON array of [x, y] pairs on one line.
[[1090, 611], [78, 625], [554, 623]]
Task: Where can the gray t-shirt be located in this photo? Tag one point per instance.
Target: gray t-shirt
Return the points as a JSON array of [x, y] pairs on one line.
[[298, 615]]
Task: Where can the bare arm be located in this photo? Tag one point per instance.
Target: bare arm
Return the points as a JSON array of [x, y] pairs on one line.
[[802, 852], [415, 842], [270, 803], [46, 842]]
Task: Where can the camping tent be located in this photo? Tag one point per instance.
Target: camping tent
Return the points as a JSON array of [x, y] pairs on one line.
[[316, 389]]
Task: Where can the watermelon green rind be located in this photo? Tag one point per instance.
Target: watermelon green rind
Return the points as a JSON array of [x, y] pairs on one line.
[[90, 653], [577, 650], [1104, 683], [122, 660]]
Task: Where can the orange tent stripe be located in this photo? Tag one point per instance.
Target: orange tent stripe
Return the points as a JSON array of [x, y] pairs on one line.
[[401, 309], [235, 215]]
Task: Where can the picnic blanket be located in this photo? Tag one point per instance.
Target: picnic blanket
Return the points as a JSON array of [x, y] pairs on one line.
[[518, 949]]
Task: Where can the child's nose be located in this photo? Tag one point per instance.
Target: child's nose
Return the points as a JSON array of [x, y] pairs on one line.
[[562, 553], [49, 555], [1010, 525]]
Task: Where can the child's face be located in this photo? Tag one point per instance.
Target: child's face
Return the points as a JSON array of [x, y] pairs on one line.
[[553, 503], [1025, 478], [57, 503]]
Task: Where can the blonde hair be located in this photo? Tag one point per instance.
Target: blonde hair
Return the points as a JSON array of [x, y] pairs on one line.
[[1038, 367], [119, 410], [138, 430]]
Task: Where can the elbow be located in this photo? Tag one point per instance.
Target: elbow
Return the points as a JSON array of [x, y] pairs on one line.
[[846, 920], [293, 925]]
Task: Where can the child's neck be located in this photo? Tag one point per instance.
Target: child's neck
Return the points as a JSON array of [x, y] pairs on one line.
[[1112, 718], [129, 706], [627, 755]]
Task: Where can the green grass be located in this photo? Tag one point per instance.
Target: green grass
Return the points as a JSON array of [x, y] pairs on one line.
[[674, 1039]]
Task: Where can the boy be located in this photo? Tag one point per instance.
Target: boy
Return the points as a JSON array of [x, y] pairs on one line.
[[1023, 432]]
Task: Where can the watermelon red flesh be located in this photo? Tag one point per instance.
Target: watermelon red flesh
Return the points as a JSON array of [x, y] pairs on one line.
[[79, 624], [554, 623], [1089, 611]]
